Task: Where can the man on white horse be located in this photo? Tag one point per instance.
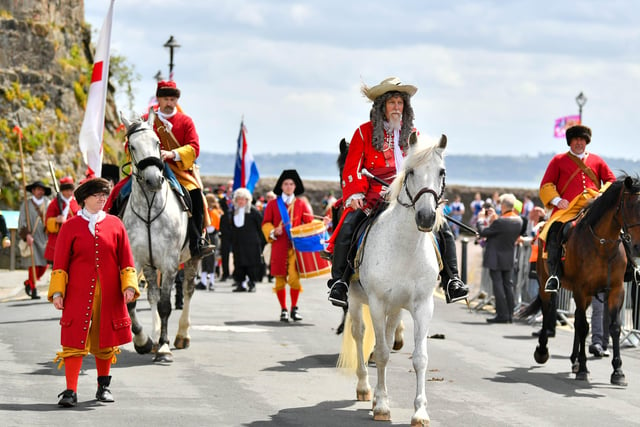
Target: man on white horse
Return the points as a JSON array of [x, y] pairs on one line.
[[180, 147], [380, 146]]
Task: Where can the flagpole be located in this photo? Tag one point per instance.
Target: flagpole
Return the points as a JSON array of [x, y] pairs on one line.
[[17, 130]]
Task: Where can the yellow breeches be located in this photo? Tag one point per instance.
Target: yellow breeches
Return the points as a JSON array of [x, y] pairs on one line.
[[292, 278], [93, 338]]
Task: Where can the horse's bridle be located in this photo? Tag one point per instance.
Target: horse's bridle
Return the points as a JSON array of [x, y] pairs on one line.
[[147, 161], [625, 238], [138, 167], [424, 190]]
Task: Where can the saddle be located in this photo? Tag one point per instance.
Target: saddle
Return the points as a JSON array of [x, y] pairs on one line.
[[122, 200]]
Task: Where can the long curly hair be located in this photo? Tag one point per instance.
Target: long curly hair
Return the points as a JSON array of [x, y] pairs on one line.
[[377, 116]]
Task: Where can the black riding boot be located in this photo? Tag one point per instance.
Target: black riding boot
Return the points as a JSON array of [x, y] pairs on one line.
[[553, 258], [454, 288], [340, 269], [197, 245], [179, 280]]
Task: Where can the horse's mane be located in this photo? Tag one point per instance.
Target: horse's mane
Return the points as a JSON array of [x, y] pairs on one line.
[[418, 153], [136, 125], [607, 200]]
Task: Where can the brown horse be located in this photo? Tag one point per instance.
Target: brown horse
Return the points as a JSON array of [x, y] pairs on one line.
[[596, 254]]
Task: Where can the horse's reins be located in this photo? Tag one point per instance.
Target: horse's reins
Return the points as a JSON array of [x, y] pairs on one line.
[[140, 166], [625, 239]]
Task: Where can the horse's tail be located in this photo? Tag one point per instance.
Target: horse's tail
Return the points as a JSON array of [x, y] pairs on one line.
[[348, 358], [533, 307]]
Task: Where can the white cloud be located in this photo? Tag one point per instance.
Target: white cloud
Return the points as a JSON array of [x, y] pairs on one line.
[[491, 75]]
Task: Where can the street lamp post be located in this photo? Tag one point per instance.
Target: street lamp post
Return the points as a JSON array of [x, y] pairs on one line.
[[159, 77], [580, 100], [171, 44]]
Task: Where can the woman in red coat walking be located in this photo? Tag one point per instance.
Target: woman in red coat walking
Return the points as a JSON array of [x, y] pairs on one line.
[[93, 279]]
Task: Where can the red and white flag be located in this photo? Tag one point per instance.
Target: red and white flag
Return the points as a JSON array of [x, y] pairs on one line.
[[92, 129]]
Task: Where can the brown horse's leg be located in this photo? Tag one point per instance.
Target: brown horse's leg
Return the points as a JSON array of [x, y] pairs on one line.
[[582, 329], [615, 299], [541, 353]]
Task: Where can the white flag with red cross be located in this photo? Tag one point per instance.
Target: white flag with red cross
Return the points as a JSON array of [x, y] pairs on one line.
[[92, 129]]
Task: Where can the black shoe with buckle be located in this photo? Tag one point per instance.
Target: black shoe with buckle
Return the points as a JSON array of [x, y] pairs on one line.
[[552, 284], [284, 315], [339, 294], [69, 398], [104, 394], [456, 290], [295, 316]]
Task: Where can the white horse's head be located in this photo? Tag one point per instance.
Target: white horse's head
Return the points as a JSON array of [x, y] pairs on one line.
[[420, 185], [144, 149]]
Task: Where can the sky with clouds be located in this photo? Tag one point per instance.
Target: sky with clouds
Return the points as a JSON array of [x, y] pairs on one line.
[[493, 75]]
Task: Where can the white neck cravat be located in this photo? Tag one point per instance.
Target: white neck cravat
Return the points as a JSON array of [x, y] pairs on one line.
[[238, 217], [67, 202], [288, 199], [164, 118], [38, 202], [93, 219], [580, 156]]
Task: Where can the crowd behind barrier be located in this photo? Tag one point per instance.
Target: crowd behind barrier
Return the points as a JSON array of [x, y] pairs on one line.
[[526, 290]]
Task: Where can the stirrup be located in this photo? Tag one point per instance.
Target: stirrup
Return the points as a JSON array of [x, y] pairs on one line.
[[337, 296], [455, 290], [552, 284]]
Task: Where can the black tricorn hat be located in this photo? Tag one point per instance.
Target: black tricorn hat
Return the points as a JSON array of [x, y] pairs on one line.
[[289, 174], [47, 190], [90, 187], [578, 131]]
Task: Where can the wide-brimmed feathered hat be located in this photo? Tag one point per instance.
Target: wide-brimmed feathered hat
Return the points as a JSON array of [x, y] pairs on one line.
[[577, 132], [66, 183], [390, 84], [90, 187], [289, 174], [35, 184], [167, 88]]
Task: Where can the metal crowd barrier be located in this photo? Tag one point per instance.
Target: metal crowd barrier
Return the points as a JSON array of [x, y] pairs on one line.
[[526, 290]]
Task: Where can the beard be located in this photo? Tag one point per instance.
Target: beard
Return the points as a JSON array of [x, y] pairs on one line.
[[395, 121]]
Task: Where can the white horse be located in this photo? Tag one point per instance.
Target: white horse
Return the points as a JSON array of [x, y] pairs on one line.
[[157, 229], [398, 268]]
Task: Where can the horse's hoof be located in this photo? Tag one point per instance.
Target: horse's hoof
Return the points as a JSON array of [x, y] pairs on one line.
[[541, 356], [154, 348], [420, 423], [575, 367], [163, 358], [582, 376], [363, 396], [618, 378], [397, 345], [181, 343], [144, 349], [382, 416]]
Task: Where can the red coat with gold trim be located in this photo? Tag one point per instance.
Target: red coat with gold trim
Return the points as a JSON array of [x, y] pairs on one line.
[[53, 227], [362, 154], [82, 259], [299, 213], [561, 169]]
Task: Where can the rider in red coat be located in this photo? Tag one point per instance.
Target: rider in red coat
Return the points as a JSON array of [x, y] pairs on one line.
[[380, 146], [571, 180]]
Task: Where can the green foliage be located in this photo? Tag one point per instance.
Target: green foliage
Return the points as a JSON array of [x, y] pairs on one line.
[[15, 94], [123, 75]]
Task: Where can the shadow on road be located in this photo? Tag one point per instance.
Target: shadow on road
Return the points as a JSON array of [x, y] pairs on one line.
[[305, 363], [322, 414]]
